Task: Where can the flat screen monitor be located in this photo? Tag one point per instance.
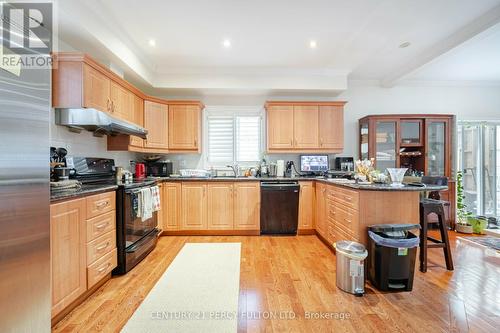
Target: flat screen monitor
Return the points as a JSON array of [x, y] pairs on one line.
[[314, 163]]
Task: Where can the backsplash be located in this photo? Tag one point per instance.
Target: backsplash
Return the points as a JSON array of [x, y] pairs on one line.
[[86, 144]]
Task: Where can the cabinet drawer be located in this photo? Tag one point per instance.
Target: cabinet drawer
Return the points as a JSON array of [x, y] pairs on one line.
[[101, 246], [100, 225], [100, 203], [101, 268], [347, 198], [347, 219]]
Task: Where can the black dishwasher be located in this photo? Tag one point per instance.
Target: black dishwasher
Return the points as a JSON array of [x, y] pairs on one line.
[[279, 207]]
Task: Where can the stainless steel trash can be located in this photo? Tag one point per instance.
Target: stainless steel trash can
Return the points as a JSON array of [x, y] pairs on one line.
[[351, 266]]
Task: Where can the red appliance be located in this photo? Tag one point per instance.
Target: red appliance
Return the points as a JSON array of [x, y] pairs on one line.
[[140, 170]]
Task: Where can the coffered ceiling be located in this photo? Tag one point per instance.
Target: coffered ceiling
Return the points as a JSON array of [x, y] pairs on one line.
[[259, 44]]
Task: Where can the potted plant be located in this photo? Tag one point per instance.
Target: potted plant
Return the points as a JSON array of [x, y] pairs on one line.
[[463, 216]]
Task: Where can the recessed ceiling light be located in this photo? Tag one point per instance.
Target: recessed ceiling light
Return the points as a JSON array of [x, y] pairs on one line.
[[152, 42], [405, 44], [313, 44], [226, 43]]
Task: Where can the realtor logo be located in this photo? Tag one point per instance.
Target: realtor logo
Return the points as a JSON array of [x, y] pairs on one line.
[[27, 27]]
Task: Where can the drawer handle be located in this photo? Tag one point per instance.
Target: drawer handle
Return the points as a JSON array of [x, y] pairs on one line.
[[348, 198], [102, 269], [102, 247], [348, 221], [102, 204], [102, 226]]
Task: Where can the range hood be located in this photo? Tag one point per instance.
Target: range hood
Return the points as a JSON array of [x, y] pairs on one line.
[[96, 121]]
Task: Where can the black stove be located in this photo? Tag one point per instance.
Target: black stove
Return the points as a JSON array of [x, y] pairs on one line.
[[135, 238]]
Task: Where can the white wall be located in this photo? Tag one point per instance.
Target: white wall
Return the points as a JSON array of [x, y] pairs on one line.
[[365, 98]]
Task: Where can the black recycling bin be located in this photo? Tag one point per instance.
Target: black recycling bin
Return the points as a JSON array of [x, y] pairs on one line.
[[391, 256]]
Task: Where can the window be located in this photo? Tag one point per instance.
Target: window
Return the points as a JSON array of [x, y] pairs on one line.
[[479, 160], [233, 135]]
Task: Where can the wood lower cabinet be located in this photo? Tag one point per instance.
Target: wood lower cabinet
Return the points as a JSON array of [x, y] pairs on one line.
[[68, 252], [220, 206], [247, 205], [160, 218], [321, 222], [306, 205], [171, 206], [194, 206], [156, 123], [184, 127], [82, 247], [305, 127]]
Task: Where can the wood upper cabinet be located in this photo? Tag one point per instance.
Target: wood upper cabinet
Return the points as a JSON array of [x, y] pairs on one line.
[[194, 206], [247, 205], [121, 102], [68, 252], [306, 205], [138, 119], [156, 123], [171, 206], [184, 127], [305, 126], [280, 127], [96, 89], [220, 206], [331, 127]]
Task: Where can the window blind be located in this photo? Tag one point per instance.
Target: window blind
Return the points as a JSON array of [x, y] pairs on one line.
[[220, 140], [247, 139]]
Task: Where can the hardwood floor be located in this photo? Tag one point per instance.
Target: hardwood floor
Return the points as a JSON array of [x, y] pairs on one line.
[[298, 274]]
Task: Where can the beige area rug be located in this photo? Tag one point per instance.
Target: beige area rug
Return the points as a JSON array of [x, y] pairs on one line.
[[197, 293]]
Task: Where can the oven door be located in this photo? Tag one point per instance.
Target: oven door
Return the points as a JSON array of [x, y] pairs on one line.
[[135, 227]]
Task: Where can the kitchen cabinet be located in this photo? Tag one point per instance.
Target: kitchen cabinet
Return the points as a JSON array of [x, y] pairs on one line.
[[121, 105], [96, 89], [184, 127], [280, 127], [160, 217], [306, 205], [194, 206], [138, 119], [305, 127], [171, 206], [331, 127], [83, 247], [247, 205], [220, 206], [68, 252], [321, 217], [156, 123]]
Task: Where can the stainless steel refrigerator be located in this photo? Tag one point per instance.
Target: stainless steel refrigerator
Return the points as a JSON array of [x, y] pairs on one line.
[[25, 293]]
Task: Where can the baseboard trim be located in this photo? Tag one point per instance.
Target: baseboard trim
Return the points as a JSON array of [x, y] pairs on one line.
[[210, 233], [306, 232]]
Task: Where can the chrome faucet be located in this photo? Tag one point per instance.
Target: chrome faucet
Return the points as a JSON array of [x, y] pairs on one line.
[[235, 169]]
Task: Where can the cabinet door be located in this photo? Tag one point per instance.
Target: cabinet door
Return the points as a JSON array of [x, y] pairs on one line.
[[305, 126], [96, 89], [331, 127], [306, 205], [156, 123], [247, 206], [171, 206], [194, 206], [184, 127], [120, 102], [321, 209], [220, 206], [386, 144], [437, 161], [280, 127], [68, 252], [138, 119]]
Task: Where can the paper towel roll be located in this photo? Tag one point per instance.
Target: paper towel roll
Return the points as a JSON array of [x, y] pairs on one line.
[[280, 168]]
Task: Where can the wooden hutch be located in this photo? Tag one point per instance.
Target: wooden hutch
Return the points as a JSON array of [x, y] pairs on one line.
[[420, 142]]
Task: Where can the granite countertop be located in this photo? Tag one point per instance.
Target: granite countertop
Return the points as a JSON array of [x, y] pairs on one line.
[[85, 190], [367, 187]]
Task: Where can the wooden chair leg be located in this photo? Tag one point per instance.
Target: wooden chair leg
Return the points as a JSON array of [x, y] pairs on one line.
[[423, 240], [443, 228]]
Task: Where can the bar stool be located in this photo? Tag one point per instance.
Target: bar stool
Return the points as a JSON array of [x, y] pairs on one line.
[[433, 204]]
